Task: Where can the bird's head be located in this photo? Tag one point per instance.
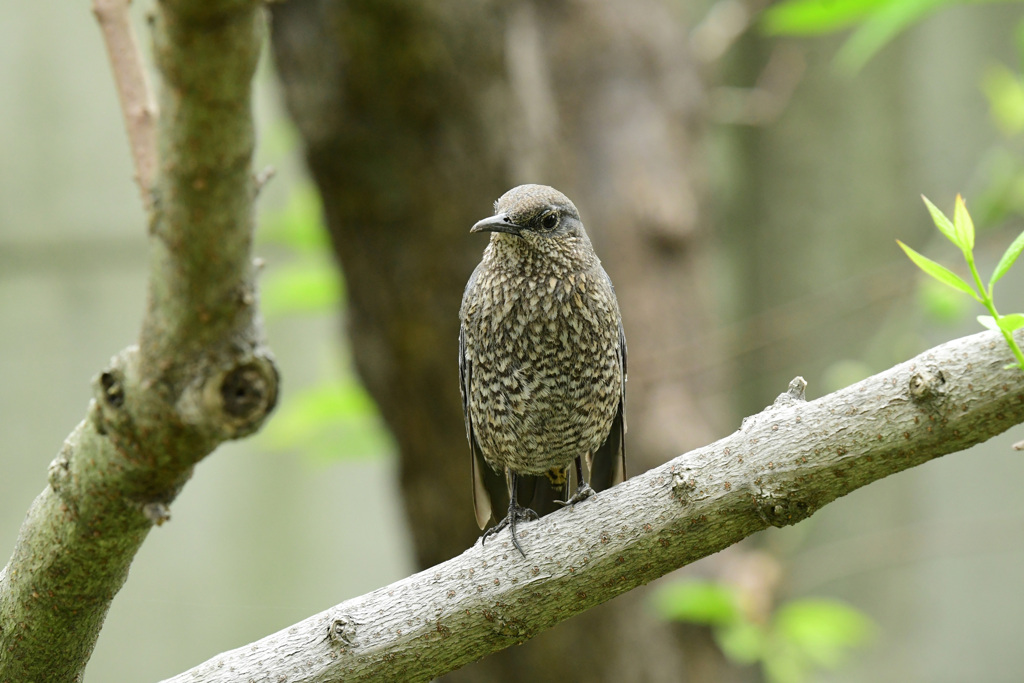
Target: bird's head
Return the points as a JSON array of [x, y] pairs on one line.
[[537, 214]]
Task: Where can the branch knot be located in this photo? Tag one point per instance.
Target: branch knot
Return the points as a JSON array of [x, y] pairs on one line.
[[682, 484], [60, 469], [245, 392], [926, 385], [781, 510], [233, 399], [343, 630], [107, 411]]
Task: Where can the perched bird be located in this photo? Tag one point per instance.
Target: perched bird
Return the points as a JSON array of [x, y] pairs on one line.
[[542, 362]]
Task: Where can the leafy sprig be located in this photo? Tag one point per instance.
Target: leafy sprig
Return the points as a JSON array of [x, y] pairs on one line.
[[798, 640], [960, 231]]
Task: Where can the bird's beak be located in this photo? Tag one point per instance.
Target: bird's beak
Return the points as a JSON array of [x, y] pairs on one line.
[[497, 223]]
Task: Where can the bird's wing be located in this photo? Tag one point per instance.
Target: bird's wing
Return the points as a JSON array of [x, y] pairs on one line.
[[490, 491], [481, 499], [608, 462]]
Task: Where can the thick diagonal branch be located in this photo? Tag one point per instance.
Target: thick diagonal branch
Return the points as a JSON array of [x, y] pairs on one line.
[[200, 374], [777, 469]]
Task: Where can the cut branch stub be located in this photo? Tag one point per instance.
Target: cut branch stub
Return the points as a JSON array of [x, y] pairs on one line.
[[241, 398], [926, 384]]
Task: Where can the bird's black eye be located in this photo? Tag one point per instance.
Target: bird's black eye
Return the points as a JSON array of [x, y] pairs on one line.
[[549, 220]]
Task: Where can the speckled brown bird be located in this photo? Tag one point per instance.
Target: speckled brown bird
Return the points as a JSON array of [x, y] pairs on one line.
[[542, 362]]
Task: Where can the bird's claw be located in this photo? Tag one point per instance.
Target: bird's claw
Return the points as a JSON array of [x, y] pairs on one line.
[[516, 513], [582, 493]]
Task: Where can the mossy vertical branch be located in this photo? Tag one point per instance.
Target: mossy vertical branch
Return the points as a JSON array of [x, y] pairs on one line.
[[199, 376]]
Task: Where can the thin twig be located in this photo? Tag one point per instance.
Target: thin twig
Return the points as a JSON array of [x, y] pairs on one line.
[[132, 88]]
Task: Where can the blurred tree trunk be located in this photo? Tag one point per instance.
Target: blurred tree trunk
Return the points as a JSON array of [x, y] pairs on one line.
[[818, 271], [416, 117]]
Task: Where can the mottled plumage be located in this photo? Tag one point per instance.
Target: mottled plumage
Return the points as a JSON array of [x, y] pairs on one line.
[[542, 360]]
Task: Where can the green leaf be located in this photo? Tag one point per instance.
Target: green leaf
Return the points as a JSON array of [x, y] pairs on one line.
[[698, 602], [785, 665], [939, 272], [1005, 94], [812, 17], [880, 21], [823, 631], [880, 27], [988, 322], [743, 642], [944, 225], [306, 286], [1008, 258], [963, 224], [1011, 323], [941, 304], [299, 224], [1006, 323], [333, 420]]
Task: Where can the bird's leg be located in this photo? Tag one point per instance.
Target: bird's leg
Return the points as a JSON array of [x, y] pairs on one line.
[[583, 490], [516, 512]]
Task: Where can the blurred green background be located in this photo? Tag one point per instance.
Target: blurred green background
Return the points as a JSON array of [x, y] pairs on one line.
[[814, 181]]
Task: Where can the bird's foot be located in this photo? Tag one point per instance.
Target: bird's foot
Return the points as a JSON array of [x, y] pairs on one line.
[[582, 493], [516, 513]]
